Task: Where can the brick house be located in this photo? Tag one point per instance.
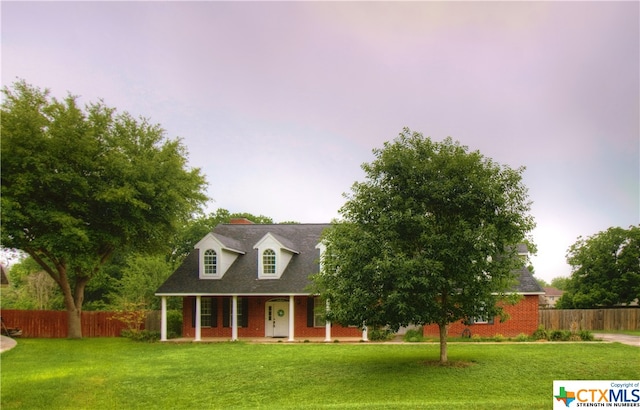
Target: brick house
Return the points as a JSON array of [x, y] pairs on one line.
[[247, 280]]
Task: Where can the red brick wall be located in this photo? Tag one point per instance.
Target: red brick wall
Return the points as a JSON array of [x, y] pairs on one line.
[[523, 318], [255, 326]]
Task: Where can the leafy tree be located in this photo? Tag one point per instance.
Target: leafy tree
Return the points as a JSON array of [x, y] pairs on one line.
[[605, 269], [78, 184], [429, 237], [560, 282], [141, 276], [30, 288]]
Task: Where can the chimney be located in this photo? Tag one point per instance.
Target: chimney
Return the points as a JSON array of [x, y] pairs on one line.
[[240, 221]]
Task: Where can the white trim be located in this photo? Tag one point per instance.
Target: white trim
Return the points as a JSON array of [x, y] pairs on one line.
[[163, 319], [198, 336], [234, 317], [291, 318], [327, 326]]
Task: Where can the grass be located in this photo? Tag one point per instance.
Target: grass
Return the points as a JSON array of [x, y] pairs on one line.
[[113, 373]]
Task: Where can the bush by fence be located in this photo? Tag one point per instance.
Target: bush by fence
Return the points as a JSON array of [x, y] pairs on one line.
[[50, 323], [591, 319]]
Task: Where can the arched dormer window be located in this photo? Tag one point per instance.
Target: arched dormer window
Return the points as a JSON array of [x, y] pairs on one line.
[[269, 262], [210, 262]]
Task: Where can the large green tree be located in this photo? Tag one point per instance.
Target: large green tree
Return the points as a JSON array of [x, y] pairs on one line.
[[605, 269], [79, 183], [429, 237]]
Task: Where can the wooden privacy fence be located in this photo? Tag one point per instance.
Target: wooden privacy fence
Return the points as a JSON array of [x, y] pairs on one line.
[[591, 319], [49, 323]]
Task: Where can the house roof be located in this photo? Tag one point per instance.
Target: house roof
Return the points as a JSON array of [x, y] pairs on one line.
[[242, 278], [551, 291], [527, 284]]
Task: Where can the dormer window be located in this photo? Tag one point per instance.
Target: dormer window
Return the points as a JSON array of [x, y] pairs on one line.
[[274, 254], [210, 262], [269, 262], [217, 254]]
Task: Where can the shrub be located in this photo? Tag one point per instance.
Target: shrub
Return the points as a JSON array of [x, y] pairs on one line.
[[174, 323], [476, 338], [414, 335], [380, 334], [498, 338], [541, 333], [522, 337], [586, 335], [560, 335], [141, 335]]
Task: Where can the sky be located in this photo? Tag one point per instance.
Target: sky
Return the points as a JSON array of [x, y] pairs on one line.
[[279, 103]]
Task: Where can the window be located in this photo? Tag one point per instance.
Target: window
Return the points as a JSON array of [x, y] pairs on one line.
[[243, 312], [269, 262], [482, 317], [316, 309], [206, 310], [210, 262]]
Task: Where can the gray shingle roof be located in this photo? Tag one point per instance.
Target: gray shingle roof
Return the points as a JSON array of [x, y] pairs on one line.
[[242, 276], [527, 283]]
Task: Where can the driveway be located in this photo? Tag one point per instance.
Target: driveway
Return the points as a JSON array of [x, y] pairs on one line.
[[615, 337]]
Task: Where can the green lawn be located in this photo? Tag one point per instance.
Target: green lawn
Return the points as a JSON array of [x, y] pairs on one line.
[[120, 374]]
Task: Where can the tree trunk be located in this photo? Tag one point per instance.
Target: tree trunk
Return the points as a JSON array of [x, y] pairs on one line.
[[443, 342], [74, 325]]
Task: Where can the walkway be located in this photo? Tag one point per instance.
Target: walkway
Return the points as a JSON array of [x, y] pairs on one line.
[[617, 337], [6, 343]]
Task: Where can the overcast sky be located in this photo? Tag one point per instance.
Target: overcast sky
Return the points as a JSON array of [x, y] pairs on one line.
[[280, 103]]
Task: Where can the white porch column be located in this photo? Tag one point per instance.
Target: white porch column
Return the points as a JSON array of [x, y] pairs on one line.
[[291, 318], [198, 324], [365, 333], [234, 317], [163, 319], [327, 327]]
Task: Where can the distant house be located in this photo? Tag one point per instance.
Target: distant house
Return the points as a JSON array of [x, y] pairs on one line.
[[550, 297], [247, 280]]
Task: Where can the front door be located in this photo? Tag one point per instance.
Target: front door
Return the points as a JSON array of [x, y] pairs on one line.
[[277, 319]]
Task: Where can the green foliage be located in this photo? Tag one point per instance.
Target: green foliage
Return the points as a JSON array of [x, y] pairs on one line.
[[414, 335], [541, 333], [429, 237], [380, 334], [141, 335], [142, 275], [174, 323], [605, 270], [560, 282], [560, 335], [30, 288], [586, 335], [77, 184]]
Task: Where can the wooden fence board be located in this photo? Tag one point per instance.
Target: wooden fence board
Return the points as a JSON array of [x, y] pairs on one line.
[[591, 319], [49, 323]]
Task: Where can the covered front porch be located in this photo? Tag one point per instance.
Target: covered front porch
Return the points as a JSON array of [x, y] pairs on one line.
[[256, 317]]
